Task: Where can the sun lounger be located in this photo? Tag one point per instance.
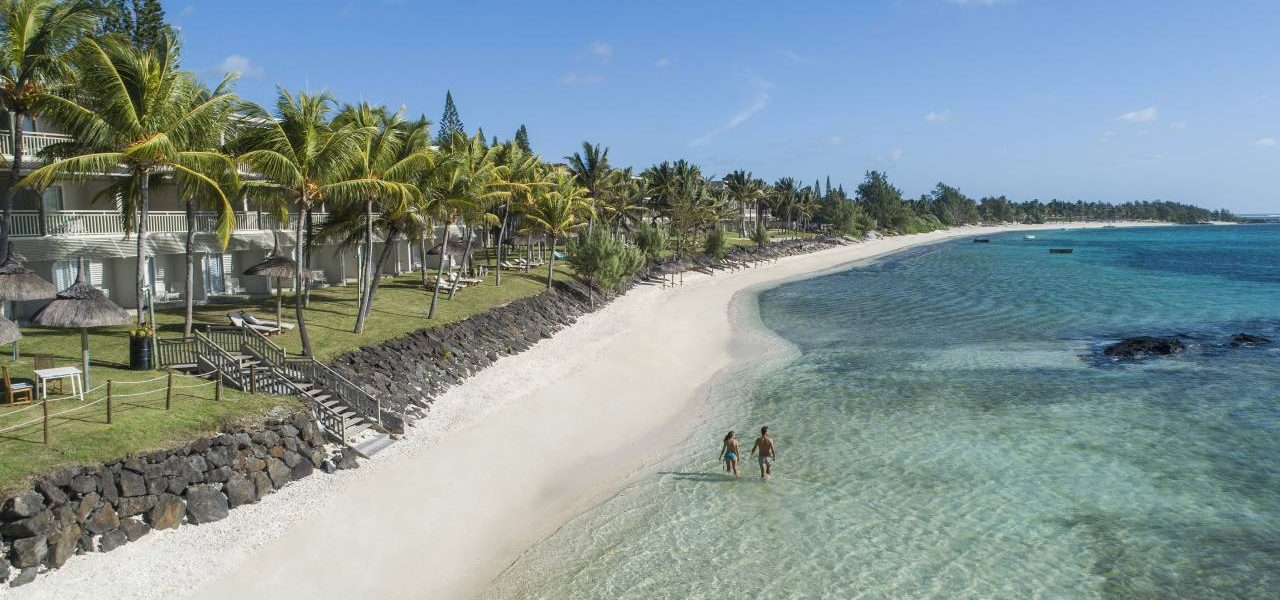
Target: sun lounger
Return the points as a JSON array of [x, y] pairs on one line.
[[246, 319]]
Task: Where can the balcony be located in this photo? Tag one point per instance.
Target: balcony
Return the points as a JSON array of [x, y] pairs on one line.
[[33, 142], [28, 223]]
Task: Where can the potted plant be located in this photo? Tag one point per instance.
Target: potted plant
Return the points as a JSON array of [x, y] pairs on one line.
[[140, 347]]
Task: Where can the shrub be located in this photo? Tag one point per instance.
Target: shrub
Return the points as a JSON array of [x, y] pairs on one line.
[[717, 244]]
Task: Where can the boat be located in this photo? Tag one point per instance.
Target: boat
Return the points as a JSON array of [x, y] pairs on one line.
[[1028, 237], [1061, 250], [981, 240]]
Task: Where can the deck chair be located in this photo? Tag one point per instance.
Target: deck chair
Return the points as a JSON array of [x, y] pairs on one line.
[[44, 361], [237, 319], [16, 392], [255, 322]]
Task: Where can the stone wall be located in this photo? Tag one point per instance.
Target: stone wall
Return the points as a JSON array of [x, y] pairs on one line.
[[98, 509]]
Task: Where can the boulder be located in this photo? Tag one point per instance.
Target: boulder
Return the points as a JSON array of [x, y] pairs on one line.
[[1144, 346], [131, 483], [103, 520], [261, 484], [347, 459], [40, 524], [52, 493], [205, 504], [112, 540], [4, 570], [29, 552], [26, 576], [128, 507], [63, 544], [1248, 339], [239, 491], [278, 472], [23, 505], [301, 470], [83, 484], [167, 513], [134, 528], [86, 506]]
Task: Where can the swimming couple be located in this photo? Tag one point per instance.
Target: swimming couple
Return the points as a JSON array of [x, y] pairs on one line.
[[764, 446]]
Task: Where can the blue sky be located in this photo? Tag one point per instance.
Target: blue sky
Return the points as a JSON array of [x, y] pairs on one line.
[[1081, 99]]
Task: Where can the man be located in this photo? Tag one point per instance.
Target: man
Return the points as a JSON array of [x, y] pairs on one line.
[[764, 444]]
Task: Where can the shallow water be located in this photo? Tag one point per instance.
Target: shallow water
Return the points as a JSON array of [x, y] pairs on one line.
[[949, 429]]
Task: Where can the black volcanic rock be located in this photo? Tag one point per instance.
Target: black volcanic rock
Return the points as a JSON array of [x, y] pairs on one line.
[[1144, 346], [1248, 339]]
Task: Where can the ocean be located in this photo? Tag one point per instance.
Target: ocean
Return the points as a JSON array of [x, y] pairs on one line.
[[948, 427]]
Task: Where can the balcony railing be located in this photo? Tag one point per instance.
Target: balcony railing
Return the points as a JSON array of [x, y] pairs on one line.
[[27, 223], [32, 142]]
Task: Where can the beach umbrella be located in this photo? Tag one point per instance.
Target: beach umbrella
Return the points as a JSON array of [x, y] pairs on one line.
[[275, 267], [9, 331], [81, 306], [20, 284]]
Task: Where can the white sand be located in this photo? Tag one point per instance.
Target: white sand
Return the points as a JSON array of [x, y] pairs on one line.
[[501, 462]]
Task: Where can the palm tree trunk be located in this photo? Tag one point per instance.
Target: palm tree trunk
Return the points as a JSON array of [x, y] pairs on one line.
[[435, 293], [304, 260], [529, 252], [144, 210], [279, 299], [466, 254], [370, 275], [422, 251], [15, 169], [298, 283], [382, 261], [502, 237], [551, 264], [191, 270]]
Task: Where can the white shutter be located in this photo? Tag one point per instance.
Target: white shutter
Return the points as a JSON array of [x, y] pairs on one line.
[[226, 264], [62, 277], [95, 273]]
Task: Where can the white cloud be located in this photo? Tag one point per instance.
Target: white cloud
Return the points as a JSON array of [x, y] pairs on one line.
[[759, 101], [895, 154], [662, 63], [938, 117], [1106, 136], [236, 63], [1145, 115], [582, 79], [1266, 141], [980, 2], [602, 51], [1178, 125], [833, 140], [791, 55]]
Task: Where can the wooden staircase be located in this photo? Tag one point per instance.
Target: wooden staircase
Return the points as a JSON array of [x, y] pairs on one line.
[[247, 360]]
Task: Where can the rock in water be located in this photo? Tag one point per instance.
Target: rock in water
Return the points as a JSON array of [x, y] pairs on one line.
[[1143, 346], [1248, 339]]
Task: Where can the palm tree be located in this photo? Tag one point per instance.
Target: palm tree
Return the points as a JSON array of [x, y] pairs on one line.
[[521, 176], [745, 190], [301, 155], [34, 39], [555, 213], [136, 112], [396, 153], [591, 168], [783, 197]]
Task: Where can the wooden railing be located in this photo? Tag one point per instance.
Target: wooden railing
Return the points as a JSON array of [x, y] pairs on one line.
[[210, 357], [273, 380], [28, 223], [227, 337], [33, 142], [267, 349], [179, 351], [351, 394]]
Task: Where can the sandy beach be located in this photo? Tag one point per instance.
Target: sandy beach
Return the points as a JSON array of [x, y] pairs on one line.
[[501, 462]]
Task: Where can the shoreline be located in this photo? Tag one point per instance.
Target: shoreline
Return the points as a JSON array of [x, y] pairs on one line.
[[504, 460]]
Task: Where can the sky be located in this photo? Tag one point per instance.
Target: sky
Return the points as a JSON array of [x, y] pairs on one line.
[[1069, 99]]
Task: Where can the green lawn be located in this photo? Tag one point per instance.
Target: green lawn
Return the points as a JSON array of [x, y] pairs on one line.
[[140, 423]]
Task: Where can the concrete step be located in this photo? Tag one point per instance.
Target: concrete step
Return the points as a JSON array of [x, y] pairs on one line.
[[373, 446]]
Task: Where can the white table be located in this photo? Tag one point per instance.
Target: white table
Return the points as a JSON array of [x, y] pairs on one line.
[[77, 382]]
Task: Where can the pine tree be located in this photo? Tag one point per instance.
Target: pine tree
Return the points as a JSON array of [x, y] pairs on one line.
[[483, 140], [494, 143], [827, 195], [522, 139], [117, 18], [148, 24], [450, 122]]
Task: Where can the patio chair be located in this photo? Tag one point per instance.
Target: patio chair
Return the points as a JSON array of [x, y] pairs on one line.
[[256, 322], [44, 361], [237, 319], [15, 392]]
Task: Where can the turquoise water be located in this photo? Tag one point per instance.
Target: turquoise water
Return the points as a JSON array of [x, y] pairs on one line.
[[949, 429]]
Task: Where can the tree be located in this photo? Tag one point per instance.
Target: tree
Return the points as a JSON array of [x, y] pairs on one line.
[[746, 191], [591, 168], [555, 213], [651, 239], [450, 122], [34, 41], [883, 202], [717, 244], [305, 159], [136, 112], [396, 153], [520, 175], [522, 139], [601, 259], [142, 21]]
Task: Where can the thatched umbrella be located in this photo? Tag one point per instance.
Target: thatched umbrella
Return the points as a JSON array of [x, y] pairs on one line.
[[20, 284], [83, 306], [275, 267], [9, 331]]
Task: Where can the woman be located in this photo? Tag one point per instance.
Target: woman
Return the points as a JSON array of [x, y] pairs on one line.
[[729, 452]]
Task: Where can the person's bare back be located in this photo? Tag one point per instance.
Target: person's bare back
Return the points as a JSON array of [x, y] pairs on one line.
[[767, 451]]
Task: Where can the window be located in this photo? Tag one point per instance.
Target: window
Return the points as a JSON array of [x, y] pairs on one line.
[[64, 274]]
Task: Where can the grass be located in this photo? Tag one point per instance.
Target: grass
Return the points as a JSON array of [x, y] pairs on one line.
[[141, 423]]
